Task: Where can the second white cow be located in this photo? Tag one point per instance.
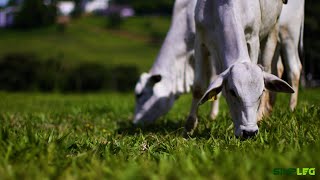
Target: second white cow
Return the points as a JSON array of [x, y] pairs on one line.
[[232, 32], [172, 73]]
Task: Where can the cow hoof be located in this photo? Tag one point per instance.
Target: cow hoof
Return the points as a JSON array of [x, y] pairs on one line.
[[186, 135], [293, 105], [191, 124], [213, 116]]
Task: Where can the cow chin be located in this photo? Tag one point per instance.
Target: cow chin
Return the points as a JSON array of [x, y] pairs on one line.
[[148, 115], [144, 118], [246, 131], [245, 124]]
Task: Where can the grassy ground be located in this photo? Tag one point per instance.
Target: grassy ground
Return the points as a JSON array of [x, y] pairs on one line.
[[88, 40], [54, 136]]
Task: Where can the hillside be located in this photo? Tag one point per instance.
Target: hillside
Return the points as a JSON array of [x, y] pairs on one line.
[[88, 40]]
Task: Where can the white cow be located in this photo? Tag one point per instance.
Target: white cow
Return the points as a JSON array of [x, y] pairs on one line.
[[172, 73], [291, 39], [290, 47], [232, 32]]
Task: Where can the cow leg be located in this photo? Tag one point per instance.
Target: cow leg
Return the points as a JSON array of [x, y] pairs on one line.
[[276, 69], [215, 108], [292, 64], [253, 46], [214, 74], [199, 86], [268, 49]]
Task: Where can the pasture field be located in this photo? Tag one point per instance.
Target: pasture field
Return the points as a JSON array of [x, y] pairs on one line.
[[89, 136], [89, 40]]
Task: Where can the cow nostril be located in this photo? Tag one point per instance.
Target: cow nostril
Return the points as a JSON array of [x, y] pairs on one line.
[[249, 134]]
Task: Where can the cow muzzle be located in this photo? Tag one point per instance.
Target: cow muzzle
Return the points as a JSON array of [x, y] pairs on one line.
[[246, 132]]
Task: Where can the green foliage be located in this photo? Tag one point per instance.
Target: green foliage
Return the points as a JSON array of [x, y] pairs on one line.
[[114, 21], [86, 57], [80, 59], [312, 38], [12, 3], [88, 40], [149, 7], [34, 14], [23, 72], [52, 136], [78, 9]]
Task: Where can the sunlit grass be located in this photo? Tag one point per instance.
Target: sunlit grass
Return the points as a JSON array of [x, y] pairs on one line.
[[91, 136]]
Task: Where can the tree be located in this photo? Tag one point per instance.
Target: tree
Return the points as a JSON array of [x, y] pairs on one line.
[[34, 13], [147, 7]]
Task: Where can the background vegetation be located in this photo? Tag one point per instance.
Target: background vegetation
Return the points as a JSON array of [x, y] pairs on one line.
[[312, 39], [86, 57], [94, 47], [34, 13], [147, 7]]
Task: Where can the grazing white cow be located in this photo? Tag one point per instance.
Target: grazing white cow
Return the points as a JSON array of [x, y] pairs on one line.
[[232, 32], [291, 38], [290, 47], [172, 73]]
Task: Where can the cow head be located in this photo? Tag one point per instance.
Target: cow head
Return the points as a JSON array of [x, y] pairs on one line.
[[243, 85], [153, 98]]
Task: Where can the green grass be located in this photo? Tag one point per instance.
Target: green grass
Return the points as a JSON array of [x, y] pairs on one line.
[[89, 136], [88, 40]]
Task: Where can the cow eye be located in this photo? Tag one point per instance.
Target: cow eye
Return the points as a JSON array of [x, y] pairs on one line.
[[233, 93]]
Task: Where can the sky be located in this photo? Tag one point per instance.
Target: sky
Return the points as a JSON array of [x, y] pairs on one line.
[[3, 2]]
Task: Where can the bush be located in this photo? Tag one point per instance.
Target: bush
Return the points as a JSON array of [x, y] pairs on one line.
[[78, 9], [86, 77], [149, 7], [114, 21], [34, 14], [27, 72], [18, 71], [125, 77]]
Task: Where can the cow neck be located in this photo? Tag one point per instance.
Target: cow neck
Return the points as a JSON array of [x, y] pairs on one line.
[[172, 61], [231, 39]]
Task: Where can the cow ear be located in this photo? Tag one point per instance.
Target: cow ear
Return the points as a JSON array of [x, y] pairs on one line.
[[213, 90], [273, 83], [155, 78]]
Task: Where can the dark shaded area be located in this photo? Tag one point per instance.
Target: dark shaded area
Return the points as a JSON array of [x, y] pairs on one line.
[[34, 13], [114, 20], [160, 127], [312, 42], [27, 72], [149, 7]]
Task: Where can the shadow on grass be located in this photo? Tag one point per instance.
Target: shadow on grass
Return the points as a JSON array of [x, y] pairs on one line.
[[162, 127], [205, 130]]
